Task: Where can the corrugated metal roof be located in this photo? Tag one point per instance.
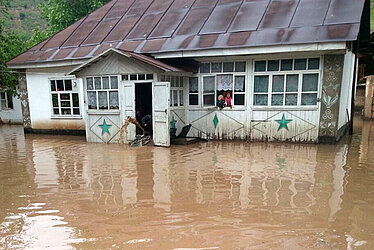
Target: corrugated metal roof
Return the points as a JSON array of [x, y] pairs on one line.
[[154, 26]]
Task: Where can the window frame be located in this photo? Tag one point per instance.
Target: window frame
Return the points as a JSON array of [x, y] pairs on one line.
[[110, 89], [286, 73], [6, 99], [59, 93], [179, 88]]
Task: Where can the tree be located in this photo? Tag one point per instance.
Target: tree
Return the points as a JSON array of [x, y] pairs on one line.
[[62, 13]]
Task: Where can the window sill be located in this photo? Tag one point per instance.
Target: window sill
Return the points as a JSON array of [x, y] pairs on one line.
[[7, 110], [104, 112], [66, 117], [267, 108], [242, 108]]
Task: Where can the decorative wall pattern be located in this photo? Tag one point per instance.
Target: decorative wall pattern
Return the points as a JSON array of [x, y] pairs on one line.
[[22, 89], [331, 85]]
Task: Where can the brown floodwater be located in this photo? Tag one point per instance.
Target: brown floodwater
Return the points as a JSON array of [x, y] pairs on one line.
[[60, 192]]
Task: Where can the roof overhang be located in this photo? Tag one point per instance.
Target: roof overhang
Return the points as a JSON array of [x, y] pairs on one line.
[[142, 58]]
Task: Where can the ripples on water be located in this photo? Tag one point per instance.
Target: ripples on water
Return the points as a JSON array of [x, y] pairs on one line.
[[61, 192]]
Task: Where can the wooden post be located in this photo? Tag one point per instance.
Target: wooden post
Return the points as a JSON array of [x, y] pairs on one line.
[[368, 109]]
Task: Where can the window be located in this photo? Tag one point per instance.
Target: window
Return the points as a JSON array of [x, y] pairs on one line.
[[193, 97], [137, 77], [102, 92], [286, 82], [6, 100], [65, 101], [176, 89], [220, 78]]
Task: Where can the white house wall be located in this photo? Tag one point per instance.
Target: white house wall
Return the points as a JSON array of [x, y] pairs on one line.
[[13, 116], [346, 89], [115, 64], [39, 94]]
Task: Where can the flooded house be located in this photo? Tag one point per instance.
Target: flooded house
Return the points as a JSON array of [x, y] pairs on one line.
[[262, 70], [10, 108]]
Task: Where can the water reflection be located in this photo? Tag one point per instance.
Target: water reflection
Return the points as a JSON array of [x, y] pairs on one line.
[[219, 194]]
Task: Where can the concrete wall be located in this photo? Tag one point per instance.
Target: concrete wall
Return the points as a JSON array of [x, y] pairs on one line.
[[13, 116], [39, 92]]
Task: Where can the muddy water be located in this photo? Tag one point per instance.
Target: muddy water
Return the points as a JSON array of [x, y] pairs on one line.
[[60, 192]]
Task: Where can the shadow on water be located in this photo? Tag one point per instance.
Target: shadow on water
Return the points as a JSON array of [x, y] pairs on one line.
[[61, 192]]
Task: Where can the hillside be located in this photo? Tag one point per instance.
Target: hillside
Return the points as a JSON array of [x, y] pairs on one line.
[[24, 17]]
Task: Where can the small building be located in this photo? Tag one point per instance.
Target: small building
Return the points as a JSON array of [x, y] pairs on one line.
[[10, 108], [284, 70]]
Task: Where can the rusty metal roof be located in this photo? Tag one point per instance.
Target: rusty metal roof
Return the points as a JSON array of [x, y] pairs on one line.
[[154, 26]]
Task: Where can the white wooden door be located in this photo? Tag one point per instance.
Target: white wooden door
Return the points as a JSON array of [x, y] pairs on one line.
[[129, 108], [161, 134]]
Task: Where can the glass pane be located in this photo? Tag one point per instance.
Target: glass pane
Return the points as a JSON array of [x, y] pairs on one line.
[[76, 111], [114, 82], [209, 83], [277, 100], [65, 111], [90, 84], [133, 77], [193, 99], [310, 82], [92, 103], [181, 81], [97, 82], [113, 100], [240, 66], [261, 84], [228, 67], [260, 66], [300, 64], [278, 83], [68, 85], [286, 64], [53, 85], [10, 100], [2, 95], [205, 68], [260, 100], [239, 99], [55, 100], [171, 98], [175, 98], [173, 82], [141, 77], [65, 104], [224, 82], [56, 111], [309, 99], [292, 83], [4, 104], [194, 85], [125, 77], [162, 78], [181, 98], [65, 97], [209, 100], [291, 99], [75, 100], [149, 76], [103, 100], [105, 82], [239, 83], [60, 85], [273, 65], [216, 67], [313, 63]]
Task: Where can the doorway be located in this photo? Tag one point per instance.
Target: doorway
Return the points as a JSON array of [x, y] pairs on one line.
[[143, 107]]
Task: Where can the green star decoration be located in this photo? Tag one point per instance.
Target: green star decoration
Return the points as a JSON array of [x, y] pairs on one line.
[[105, 128], [173, 123], [283, 123], [215, 121]]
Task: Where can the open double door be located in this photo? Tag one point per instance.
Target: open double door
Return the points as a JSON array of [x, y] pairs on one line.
[[160, 110]]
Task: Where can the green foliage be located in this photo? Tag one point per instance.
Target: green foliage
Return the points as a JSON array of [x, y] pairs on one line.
[[62, 13]]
